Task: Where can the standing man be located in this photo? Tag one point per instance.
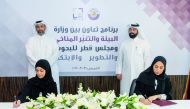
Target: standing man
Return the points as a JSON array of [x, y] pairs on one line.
[[133, 58], [41, 46]]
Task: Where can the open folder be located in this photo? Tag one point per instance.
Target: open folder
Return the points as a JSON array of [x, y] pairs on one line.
[[163, 102]]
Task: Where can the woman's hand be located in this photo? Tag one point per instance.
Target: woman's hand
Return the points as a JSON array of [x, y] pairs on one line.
[[16, 104], [154, 97], [145, 101]]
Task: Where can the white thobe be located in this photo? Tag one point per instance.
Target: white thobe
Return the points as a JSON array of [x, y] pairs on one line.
[[43, 47], [133, 58]]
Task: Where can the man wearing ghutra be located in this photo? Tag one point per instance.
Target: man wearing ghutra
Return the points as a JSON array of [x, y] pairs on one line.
[[41, 46], [133, 58]]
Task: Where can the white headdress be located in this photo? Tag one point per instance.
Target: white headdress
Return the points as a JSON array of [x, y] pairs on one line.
[[39, 22], [136, 25]]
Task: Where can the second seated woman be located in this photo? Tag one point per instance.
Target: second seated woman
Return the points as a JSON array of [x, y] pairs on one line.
[[153, 83]]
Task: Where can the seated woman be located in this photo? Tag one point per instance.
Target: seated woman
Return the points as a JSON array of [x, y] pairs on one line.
[[43, 84], [153, 83]]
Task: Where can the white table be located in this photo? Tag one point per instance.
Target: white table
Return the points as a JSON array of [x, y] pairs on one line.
[[8, 105], [181, 104]]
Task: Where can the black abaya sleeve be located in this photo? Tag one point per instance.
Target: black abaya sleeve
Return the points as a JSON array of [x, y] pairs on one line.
[[24, 93], [52, 88], [139, 89]]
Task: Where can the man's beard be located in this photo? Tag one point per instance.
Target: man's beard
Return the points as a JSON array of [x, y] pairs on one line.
[[41, 33], [132, 35]]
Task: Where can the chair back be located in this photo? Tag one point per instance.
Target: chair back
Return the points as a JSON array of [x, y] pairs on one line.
[[132, 88]]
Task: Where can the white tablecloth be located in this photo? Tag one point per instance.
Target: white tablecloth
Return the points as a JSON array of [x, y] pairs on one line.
[[181, 104], [9, 105]]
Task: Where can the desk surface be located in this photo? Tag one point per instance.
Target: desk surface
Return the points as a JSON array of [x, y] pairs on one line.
[[181, 104]]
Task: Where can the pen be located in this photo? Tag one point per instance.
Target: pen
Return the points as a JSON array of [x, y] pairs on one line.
[[15, 99]]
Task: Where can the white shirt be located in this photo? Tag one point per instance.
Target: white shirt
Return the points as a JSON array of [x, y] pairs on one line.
[[133, 58]]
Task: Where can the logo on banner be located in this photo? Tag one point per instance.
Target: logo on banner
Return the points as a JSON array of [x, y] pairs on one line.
[[77, 13], [93, 14]]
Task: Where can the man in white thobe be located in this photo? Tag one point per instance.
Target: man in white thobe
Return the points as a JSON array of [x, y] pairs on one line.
[[133, 58], [41, 46]]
